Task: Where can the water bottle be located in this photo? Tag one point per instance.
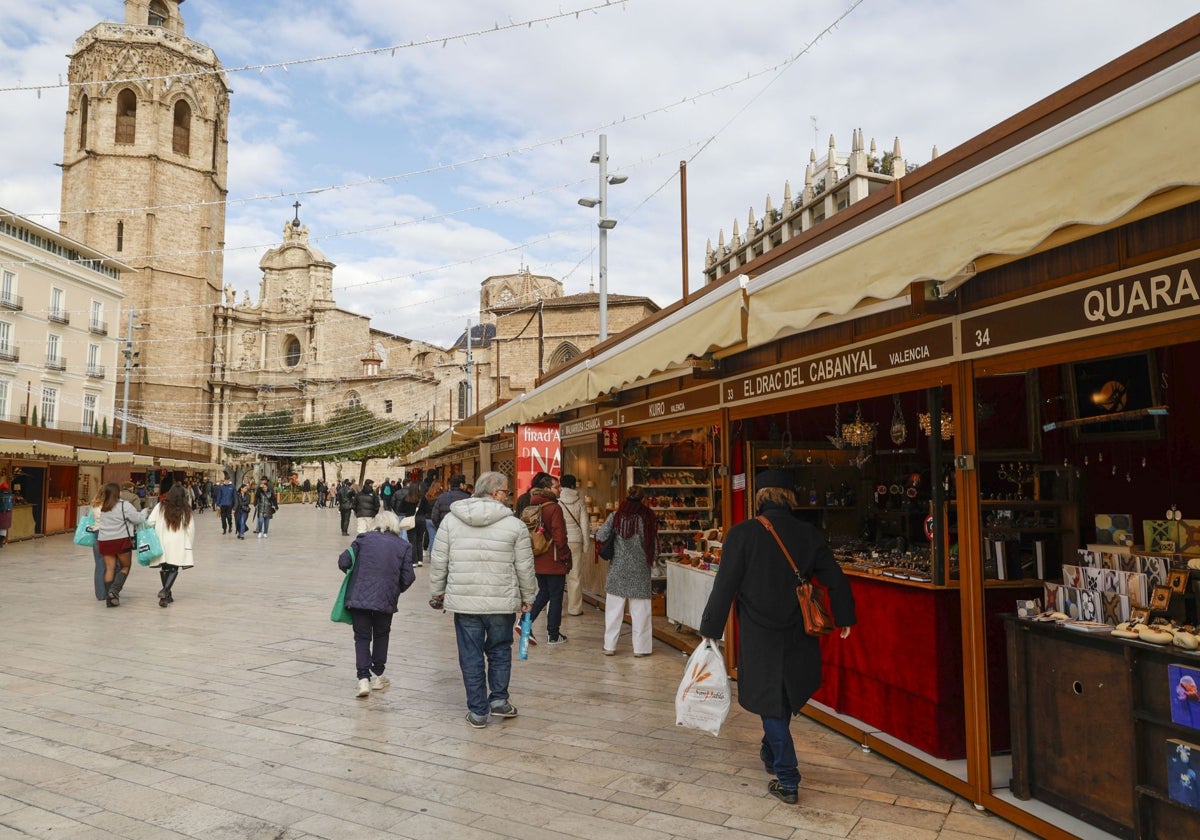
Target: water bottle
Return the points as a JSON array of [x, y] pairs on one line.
[[526, 632]]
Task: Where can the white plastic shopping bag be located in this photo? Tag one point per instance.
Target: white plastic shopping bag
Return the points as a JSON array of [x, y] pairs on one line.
[[702, 701]]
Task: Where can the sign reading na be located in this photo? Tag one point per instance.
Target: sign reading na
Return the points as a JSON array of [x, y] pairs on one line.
[[539, 449]]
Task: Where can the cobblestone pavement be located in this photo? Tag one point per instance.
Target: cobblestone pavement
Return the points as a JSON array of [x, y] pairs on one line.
[[232, 714]]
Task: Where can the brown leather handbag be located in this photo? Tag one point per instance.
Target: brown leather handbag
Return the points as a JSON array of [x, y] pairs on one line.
[[817, 620]]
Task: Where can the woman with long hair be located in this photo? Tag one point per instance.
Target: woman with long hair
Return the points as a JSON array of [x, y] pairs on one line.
[[176, 528], [413, 503], [116, 525], [634, 550], [101, 587]]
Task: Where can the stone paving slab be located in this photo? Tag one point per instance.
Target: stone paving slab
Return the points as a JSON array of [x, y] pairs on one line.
[[231, 714]]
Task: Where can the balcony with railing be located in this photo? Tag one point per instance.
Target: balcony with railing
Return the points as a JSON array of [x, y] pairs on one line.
[[98, 327], [59, 316], [10, 353], [95, 371], [56, 362], [11, 301]]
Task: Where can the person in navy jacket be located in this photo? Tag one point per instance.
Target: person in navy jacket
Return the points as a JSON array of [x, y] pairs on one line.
[[382, 570]]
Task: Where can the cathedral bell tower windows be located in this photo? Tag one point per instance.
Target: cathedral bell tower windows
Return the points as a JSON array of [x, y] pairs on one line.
[[181, 133], [126, 117], [158, 14], [83, 121]]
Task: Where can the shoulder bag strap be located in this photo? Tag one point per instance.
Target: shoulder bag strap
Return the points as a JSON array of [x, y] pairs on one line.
[[766, 523]]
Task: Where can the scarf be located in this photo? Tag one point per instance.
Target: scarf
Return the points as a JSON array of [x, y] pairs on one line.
[[625, 524]]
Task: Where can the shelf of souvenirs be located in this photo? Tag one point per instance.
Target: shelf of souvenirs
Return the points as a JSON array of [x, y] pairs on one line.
[[912, 567]]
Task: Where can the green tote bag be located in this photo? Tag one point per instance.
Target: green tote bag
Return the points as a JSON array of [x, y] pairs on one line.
[[339, 611]]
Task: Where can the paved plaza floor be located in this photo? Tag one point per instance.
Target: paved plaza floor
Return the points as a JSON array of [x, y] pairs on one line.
[[232, 714]]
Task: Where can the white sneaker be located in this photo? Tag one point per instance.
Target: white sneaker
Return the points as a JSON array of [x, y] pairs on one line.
[[260, 535], [378, 682], [364, 688]]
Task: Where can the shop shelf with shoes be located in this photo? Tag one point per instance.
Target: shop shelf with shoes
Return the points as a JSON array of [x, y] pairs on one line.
[[682, 499]]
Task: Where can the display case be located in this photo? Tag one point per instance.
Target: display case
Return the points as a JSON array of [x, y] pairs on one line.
[[1022, 539], [1094, 729], [683, 501]]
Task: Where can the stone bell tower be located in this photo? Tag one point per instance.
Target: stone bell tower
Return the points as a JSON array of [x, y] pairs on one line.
[[145, 162]]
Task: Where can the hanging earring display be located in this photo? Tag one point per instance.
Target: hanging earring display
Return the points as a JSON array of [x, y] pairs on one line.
[[899, 429]]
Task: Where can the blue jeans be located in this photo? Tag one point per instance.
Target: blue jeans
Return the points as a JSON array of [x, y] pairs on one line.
[[240, 520], [550, 592], [264, 524], [481, 636], [777, 744]]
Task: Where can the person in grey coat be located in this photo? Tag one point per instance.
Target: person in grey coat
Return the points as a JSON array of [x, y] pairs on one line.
[[382, 571], [481, 569], [779, 664]]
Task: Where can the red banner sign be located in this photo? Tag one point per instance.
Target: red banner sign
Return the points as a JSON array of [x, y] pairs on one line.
[[539, 449]]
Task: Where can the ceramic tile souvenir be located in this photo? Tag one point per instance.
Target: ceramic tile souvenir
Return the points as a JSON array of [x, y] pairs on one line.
[[1154, 531], [1183, 772], [1124, 606], [1110, 560], [1108, 580], [1155, 569], [1134, 585], [1071, 599], [1072, 576], [1127, 563], [1112, 608], [1091, 606], [1053, 596], [1091, 579], [1184, 685], [1114, 528], [1188, 540]]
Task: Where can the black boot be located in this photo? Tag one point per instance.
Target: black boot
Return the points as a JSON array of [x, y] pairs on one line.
[[168, 578], [114, 589]]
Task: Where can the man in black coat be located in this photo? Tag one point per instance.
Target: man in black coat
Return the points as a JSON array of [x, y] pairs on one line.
[[441, 505], [366, 505], [779, 665]]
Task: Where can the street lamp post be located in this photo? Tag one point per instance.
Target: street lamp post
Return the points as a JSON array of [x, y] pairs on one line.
[[605, 224], [129, 356]]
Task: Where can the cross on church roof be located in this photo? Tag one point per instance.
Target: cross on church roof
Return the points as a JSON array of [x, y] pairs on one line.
[[296, 221]]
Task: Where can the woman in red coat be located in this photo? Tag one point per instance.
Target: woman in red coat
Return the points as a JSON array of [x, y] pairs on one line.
[[552, 564], [779, 665]]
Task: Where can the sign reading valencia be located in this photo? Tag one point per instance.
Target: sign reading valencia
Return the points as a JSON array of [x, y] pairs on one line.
[[916, 349]]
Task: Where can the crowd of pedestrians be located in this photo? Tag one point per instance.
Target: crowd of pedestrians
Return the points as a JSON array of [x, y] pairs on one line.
[[494, 559]]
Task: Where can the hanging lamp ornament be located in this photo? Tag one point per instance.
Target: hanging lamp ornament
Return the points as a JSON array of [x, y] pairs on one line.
[[899, 428], [859, 433], [836, 438], [947, 424]]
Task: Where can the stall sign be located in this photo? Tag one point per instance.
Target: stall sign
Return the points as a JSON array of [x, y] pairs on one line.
[[585, 425], [507, 444], [685, 402], [1164, 291], [610, 441], [539, 449], [911, 350]]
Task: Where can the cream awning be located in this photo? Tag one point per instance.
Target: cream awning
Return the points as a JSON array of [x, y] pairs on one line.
[[1090, 169], [91, 456], [16, 447], [46, 449], [143, 460], [714, 321], [120, 457]]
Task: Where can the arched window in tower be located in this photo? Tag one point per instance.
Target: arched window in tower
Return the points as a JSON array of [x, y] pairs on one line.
[[126, 117], [216, 141], [158, 13], [291, 351], [181, 132], [565, 353], [83, 121], [464, 399], [353, 400]]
